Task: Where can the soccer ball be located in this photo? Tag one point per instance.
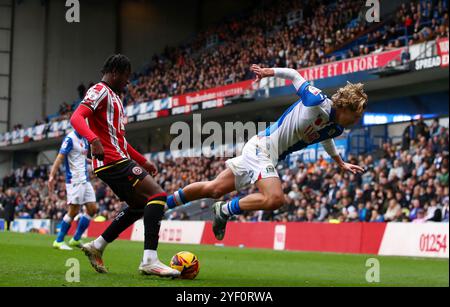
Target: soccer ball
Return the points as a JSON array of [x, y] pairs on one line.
[[187, 263]]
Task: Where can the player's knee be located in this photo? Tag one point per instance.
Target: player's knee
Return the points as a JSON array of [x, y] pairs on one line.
[[274, 201], [73, 211], [92, 210]]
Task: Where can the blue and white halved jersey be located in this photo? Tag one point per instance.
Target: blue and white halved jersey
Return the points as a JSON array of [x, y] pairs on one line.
[[75, 149], [308, 121]]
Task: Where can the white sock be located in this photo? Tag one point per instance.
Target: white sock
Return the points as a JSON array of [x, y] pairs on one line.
[[67, 219], [150, 256], [100, 243], [225, 209]]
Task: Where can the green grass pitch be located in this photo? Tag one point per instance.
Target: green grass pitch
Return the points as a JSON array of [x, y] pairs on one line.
[[29, 260]]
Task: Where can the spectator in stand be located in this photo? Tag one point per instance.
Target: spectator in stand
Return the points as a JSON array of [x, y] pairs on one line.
[[406, 56], [393, 212], [9, 205], [434, 212], [436, 129], [422, 128], [420, 218], [409, 134], [396, 171], [415, 209], [445, 210]]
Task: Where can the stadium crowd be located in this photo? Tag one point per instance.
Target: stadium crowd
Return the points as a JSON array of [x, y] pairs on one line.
[[403, 182], [282, 33]]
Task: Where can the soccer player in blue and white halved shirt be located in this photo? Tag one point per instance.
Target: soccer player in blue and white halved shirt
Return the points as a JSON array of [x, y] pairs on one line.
[[314, 118], [73, 154]]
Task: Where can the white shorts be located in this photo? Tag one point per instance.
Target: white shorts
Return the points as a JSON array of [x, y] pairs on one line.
[[253, 165], [80, 193]]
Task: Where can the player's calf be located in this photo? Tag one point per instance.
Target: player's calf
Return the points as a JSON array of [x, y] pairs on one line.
[[200, 190], [153, 214], [65, 226], [83, 224], [272, 202]]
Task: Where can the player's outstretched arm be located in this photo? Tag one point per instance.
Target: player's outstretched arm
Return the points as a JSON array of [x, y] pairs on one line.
[[78, 122], [283, 73]]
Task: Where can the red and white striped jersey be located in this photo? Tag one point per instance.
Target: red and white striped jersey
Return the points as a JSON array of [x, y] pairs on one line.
[[108, 123]]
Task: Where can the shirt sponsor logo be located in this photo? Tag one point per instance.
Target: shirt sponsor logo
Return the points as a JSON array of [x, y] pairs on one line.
[[314, 90], [311, 135]]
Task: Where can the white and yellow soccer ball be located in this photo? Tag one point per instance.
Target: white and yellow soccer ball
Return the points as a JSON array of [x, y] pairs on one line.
[[187, 263]]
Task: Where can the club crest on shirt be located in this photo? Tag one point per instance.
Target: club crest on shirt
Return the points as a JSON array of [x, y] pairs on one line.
[[270, 170], [320, 122], [137, 170]]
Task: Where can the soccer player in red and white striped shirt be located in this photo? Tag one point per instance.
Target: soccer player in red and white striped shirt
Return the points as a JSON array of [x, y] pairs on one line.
[[120, 166]]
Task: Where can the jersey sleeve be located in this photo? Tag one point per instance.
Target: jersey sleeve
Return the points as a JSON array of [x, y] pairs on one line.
[[290, 74], [66, 146], [310, 95], [94, 97]]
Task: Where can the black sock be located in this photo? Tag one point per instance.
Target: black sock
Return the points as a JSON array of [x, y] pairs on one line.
[[123, 220], [153, 214]]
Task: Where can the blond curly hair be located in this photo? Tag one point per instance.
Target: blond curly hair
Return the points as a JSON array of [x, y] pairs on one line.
[[352, 97]]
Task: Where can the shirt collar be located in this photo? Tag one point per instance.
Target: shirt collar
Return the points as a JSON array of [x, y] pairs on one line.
[[333, 115], [333, 119], [109, 86]]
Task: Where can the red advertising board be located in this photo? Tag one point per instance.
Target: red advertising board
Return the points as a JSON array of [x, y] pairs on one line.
[[231, 90], [392, 239], [353, 65], [442, 47]]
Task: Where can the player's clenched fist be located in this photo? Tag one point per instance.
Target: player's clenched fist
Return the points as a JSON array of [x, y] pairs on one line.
[[97, 149], [151, 168]]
